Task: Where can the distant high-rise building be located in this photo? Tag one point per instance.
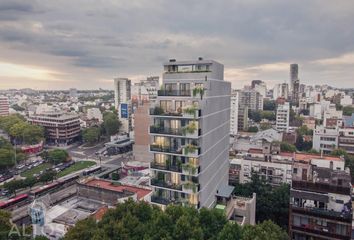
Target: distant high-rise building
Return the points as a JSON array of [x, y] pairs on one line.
[[294, 83], [294, 74], [281, 91], [190, 134], [283, 114], [122, 101], [4, 106], [251, 99], [234, 113]]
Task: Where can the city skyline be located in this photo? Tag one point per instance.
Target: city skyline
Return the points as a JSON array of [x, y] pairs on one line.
[[53, 45]]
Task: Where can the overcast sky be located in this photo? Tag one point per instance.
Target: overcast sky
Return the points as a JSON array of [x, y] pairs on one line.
[[86, 43]]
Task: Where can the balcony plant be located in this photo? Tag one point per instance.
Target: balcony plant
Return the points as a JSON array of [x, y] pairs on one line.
[[158, 110], [198, 90], [188, 167], [190, 110], [189, 148], [190, 128], [190, 185]]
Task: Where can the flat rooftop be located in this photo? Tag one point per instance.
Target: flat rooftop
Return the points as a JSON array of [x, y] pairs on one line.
[[141, 192]]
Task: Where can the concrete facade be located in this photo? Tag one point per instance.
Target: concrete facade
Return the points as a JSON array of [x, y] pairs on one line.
[[190, 134]]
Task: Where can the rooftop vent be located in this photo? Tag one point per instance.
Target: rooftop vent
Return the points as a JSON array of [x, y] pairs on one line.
[[200, 58], [172, 60]]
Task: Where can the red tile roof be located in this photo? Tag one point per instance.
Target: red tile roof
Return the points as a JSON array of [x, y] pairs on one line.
[[308, 157], [141, 192]]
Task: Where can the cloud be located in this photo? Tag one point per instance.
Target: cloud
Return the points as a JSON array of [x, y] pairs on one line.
[[254, 39], [345, 59]]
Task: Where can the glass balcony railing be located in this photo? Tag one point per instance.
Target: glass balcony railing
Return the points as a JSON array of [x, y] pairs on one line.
[[173, 168], [164, 184], [166, 130], [176, 93], [187, 113], [167, 149]]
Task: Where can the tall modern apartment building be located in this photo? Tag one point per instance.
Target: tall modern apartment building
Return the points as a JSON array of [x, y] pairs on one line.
[[189, 134], [283, 116], [4, 106], [234, 113], [122, 101]]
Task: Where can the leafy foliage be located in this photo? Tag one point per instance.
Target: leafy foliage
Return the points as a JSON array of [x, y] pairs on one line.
[[269, 105], [131, 220], [91, 135], [286, 147], [21, 131], [252, 129], [348, 110], [57, 156], [272, 202], [111, 123]]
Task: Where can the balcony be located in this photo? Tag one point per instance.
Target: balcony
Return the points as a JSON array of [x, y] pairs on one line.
[[164, 184], [166, 149], [191, 150], [160, 200], [174, 93], [190, 187], [188, 112], [317, 212], [191, 170], [306, 229], [165, 130], [173, 168], [320, 187]]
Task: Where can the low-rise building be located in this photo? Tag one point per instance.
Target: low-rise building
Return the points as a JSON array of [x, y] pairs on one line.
[[346, 140], [60, 127], [283, 116], [320, 200], [325, 139], [4, 106]]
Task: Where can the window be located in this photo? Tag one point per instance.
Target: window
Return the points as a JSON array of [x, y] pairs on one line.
[[295, 171]]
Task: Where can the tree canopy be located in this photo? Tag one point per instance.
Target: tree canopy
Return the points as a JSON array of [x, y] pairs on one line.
[[111, 123], [272, 202], [348, 110], [20, 130], [57, 156], [91, 135], [131, 220]]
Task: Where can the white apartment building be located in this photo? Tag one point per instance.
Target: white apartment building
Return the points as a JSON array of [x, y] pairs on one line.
[[234, 113], [281, 90], [4, 106], [332, 118], [189, 135], [346, 100], [346, 139], [261, 88], [250, 98], [276, 171], [122, 101], [325, 139], [283, 117], [315, 110]]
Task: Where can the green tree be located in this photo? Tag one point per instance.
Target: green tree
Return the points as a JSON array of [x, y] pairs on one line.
[[286, 147], [269, 115], [265, 230], [269, 105], [33, 134], [14, 185], [47, 176], [348, 110], [91, 135], [57, 156], [230, 232], [252, 129], [5, 225], [7, 158], [255, 116], [111, 123]]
